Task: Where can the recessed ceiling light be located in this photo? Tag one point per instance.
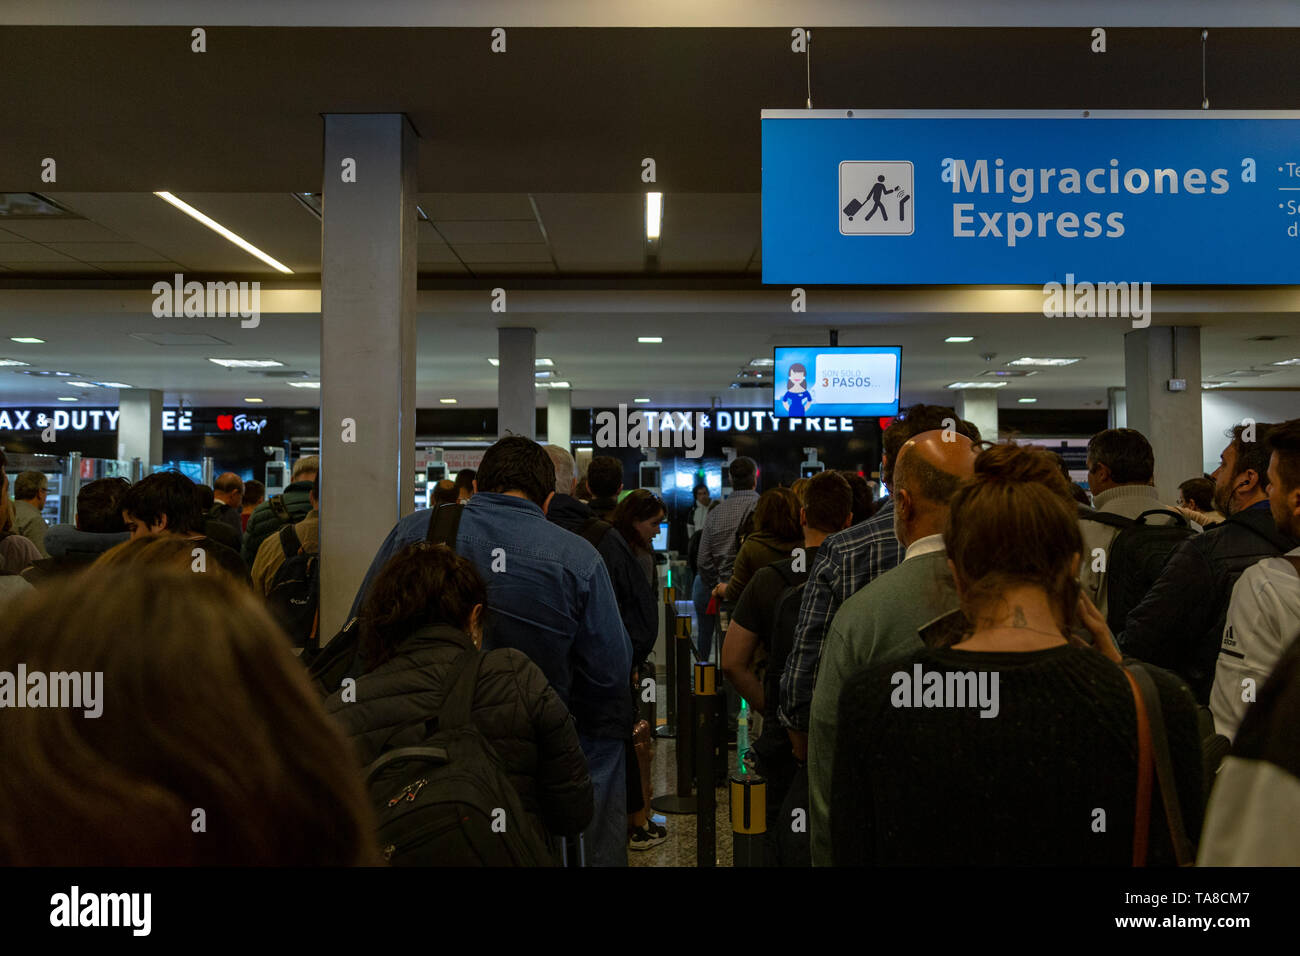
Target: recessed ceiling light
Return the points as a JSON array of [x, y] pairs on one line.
[[446, 401], [1026, 401], [253, 401], [559, 385], [26, 340], [650, 339], [541, 375], [304, 384], [537, 363], [641, 401], [115, 385], [1294, 361], [1205, 385], [65, 374], [221, 230], [85, 384], [1045, 361], [978, 385], [762, 362], [245, 363], [654, 214], [960, 338], [12, 362], [67, 398]]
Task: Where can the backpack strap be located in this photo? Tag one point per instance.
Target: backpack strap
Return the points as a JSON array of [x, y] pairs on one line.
[[289, 542], [279, 508], [436, 755], [1105, 517], [1151, 725], [1179, 519], [594, 530], [463, 679], [444, 524]]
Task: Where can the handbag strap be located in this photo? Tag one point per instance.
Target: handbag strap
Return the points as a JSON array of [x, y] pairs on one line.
[[1142, 818], [1164, 764]]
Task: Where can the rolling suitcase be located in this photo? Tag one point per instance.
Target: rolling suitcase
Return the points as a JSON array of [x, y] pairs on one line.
[[852, 208]]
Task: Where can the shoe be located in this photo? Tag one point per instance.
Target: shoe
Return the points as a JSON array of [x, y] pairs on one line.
[[643, 839]]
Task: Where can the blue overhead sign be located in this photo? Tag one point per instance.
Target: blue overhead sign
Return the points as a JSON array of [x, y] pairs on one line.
[[937, 197]]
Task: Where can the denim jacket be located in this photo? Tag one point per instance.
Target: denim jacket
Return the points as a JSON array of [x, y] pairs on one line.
[[549, 596]]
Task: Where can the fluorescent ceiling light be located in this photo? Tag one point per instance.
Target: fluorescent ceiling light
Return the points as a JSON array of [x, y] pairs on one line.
[[304, 384], [115, 385], [650, 339], [1026, 401], [26, 340], [253, 401], [245, 363], [1205, 385], [85, 384], [559, 385], [1045, 361], [1294, 361], [960, 338], [541, 375], [446, 401], [654, 214], [64, 374], [978, 385], [14, 362], [1250, 372], [221, 230], [67, 398], [762, 362], [641, 401], [537, 363]]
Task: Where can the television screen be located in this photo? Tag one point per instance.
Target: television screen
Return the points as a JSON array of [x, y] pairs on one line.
[[848, 380], [660, 542]]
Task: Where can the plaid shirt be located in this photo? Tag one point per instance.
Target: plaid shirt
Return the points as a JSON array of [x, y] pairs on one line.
[[846, 562], [718, 542]]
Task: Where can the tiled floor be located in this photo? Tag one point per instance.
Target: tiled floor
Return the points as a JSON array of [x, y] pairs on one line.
[[680, 847]]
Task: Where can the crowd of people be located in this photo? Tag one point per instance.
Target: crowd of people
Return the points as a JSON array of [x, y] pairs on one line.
[[990, 665]]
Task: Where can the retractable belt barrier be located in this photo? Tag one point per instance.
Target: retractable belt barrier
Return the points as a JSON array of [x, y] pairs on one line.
[[669, 729], [682, 801]]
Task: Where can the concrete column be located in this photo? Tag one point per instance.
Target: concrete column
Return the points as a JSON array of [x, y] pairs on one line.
[[1171, 420], [516, 382], [139, 426], [559, 418], [1117, 408], [368, 272], [980, 405]]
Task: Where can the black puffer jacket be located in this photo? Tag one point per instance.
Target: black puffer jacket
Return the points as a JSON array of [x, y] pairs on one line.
[[514, 708], [1179, 624]]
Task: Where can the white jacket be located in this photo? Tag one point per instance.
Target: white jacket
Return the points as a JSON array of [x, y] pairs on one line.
[[1263, 619]]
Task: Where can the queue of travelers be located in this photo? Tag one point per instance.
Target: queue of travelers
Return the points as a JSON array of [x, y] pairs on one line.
[[980, 668]]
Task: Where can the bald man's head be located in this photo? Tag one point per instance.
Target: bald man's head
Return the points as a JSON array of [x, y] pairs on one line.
[[932, 465], [229, 489]]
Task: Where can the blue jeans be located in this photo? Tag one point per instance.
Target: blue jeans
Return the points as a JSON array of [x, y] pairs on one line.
[[700, 596], [605, 839]]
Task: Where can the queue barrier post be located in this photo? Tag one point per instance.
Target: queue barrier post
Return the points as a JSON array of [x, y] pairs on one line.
[[705, 706], [748, 819], [669, 728], [683, 801]]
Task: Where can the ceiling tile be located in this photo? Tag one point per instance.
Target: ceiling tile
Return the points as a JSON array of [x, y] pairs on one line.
[[62, 230], [30, 252], [108, 252], [474, 254], [483, 231], [476, 206]]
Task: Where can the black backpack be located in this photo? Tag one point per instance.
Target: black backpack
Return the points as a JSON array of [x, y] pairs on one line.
[[448, 801], [784, 622], [294, 597], [1137, 556], [339, 658]]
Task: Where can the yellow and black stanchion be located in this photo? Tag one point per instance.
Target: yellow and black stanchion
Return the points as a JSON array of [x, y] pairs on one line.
[[682, 801], [705, 706], [748, 819], [669, 676]]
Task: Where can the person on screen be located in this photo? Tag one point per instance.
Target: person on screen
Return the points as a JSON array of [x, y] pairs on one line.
[[797, 398]]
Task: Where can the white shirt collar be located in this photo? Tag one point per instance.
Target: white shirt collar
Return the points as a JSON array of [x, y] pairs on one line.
[[931, 542]]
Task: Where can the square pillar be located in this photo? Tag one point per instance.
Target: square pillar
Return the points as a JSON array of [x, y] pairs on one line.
[[1170, 420], [517, 382]]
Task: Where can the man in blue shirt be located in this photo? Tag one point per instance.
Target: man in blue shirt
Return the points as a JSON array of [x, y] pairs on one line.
[[549, 596]]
